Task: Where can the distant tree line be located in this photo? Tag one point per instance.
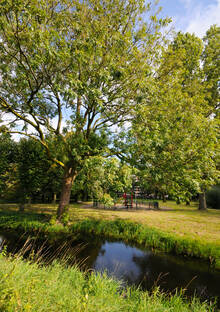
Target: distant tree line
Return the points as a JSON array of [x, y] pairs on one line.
[[27, 176]]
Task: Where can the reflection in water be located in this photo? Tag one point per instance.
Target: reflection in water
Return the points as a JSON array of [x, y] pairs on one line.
[[147, 269], [117, 259], [141, 267]]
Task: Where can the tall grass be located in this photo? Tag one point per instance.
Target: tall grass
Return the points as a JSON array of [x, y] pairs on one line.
[[28, 287]]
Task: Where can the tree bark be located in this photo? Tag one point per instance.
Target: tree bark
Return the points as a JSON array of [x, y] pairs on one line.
[[85, 196], [54, 198], [29, 202], [202, 201], [164, 198], [21, 207], [68, 178]]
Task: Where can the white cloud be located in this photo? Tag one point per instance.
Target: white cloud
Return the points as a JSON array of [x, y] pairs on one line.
[[203, 17]]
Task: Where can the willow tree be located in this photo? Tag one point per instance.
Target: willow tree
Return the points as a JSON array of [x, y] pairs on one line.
[[70, 69]]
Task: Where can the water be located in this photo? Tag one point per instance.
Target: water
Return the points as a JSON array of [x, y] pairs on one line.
[[142, 267]]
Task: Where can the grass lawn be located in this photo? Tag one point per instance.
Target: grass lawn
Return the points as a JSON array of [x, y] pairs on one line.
[[182, 221]]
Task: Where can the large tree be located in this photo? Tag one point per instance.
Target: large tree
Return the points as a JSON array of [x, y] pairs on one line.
[[211, 69], [172, 141], [71, 69], [211, 82]]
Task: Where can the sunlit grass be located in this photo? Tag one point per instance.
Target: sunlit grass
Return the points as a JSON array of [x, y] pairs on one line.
[[181, 220], [184, 229], [27, 287]]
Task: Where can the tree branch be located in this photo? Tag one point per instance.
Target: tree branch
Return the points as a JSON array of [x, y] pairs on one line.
[[42, 142]]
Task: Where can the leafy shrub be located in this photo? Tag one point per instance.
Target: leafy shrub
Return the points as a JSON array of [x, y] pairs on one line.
[[213, 197], [107, 200]]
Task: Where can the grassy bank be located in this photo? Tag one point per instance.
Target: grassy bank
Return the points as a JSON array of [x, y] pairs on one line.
[[27, 287], [119, 229], [179, 220]]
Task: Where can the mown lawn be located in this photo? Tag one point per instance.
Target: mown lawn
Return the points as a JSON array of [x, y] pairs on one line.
[[183, 221]]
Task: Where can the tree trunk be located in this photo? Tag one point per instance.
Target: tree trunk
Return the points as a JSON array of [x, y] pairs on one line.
[[68, 178], [76, 198], [85, 196], [202, 201], [54, 198], [21, 207], [164, 198], [22, 200], [28, 205]]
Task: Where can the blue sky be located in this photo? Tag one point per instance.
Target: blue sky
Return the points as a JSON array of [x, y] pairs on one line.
[[194, 16]]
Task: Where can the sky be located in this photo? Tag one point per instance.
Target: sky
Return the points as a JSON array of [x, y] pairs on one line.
[[194, 16]]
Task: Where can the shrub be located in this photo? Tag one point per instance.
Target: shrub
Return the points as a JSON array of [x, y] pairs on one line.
[[213, 197]]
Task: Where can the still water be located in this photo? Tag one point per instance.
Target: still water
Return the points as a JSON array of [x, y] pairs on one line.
[[140, 267]]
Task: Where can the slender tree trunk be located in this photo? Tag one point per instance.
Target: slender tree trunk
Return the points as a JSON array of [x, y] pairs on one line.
[[29, 202], [164, 198], [75, 198], [202, 201], [42, 198], [68, 178], [22, 200], [54, 198], [85, 196], [21, 207]]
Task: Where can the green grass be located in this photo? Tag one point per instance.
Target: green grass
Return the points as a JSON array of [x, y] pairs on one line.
[[179, 220], [148, 237], [26, 287], [174, 228], [182, 221], [119, 229]]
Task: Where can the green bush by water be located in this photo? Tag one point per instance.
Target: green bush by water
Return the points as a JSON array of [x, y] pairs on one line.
[[29, 288]]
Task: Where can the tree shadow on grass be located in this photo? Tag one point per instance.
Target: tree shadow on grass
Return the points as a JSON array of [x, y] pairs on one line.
[[10, 216]]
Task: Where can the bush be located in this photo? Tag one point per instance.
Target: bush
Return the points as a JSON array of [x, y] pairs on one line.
[[213, 197]]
